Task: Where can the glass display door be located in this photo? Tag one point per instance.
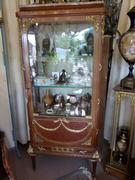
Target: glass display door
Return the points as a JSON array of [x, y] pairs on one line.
[[61, 66]]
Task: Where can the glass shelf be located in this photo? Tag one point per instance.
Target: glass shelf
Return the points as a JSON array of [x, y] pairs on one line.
[[63, 86]]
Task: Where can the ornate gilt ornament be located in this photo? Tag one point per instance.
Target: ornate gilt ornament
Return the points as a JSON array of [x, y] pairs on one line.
[[44, 128], [62, 149], [98, 101], [96, 156], [82, 152], [24, 24], [97, 131], [100, 67], [41, 149], [61, 142], [30, 150], [87, 142], [62, 122], [94, 20], [102, 23]]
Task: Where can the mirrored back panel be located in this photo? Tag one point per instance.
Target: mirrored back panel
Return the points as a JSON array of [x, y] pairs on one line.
[[61, 65]]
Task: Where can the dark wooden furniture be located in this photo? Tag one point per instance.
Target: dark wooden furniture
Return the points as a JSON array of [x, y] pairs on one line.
[[5, 167], [122, 134], [65, 112], [2, 170]]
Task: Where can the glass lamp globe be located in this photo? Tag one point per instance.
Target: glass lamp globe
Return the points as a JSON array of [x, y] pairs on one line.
[[127, 51]]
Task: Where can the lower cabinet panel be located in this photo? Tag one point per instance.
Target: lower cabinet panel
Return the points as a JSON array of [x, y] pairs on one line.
[[61, 135]]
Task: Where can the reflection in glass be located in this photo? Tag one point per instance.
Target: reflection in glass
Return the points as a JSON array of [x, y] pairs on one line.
[[61, 63]]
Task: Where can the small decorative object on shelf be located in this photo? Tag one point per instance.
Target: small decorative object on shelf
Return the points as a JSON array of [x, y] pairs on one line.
[[45, 46], [120, 155], [122, 136], [62, 78], [127, 50], [48, 99]]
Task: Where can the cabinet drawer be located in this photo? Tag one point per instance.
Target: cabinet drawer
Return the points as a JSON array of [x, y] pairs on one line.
[[62, 131]]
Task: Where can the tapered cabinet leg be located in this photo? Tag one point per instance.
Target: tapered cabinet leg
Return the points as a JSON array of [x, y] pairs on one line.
[[33, 159], [93, 168], [94, 160]]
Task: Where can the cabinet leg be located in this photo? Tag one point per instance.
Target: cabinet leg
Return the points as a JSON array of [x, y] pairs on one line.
[[33, 156], [93, 168], [33, 159]]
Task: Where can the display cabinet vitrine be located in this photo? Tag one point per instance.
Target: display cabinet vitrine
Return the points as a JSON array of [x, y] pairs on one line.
[[122, 133], [65, 77]]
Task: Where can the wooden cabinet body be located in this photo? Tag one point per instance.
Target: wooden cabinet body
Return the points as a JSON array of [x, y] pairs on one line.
[[70, 132]]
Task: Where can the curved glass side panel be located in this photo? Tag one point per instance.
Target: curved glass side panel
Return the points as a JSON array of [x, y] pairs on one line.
[[61, 65]]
